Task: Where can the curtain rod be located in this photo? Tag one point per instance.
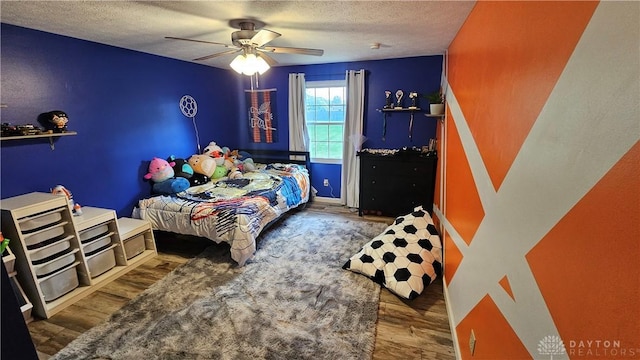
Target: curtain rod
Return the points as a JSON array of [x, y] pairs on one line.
[[336, 74]]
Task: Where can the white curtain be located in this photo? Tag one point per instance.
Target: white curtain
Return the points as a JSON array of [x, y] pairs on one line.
[[353, 138], [298, 134]]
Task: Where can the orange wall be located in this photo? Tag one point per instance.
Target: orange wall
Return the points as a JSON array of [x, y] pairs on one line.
[[539, 193]]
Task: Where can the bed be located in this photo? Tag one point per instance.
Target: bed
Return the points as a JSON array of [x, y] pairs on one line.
[[235, 211]]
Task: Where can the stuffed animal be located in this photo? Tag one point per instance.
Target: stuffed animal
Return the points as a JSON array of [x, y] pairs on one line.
[[181, 167], [243, 161], [214, 151], [163, 176], [61, 190], [235, 173], [198, 179], [247, 165], [203, 164], [221, 171]]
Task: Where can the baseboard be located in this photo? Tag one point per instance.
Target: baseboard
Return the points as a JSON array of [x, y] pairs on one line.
[[454, 335], [327, 200]]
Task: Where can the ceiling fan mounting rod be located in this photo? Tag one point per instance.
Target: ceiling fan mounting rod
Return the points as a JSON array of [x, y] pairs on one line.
[[246, 25]]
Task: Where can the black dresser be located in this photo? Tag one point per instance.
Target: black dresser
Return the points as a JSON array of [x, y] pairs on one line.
[[392, 185]]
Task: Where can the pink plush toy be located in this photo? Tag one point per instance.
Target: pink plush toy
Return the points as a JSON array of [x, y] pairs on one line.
[[162, 174], [160, 170]]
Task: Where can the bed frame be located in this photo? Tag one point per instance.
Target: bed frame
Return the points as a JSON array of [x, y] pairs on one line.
[[281, 156], [204, 227]]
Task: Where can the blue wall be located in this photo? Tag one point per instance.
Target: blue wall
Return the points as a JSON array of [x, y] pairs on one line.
[[124, 106], [420, 74]]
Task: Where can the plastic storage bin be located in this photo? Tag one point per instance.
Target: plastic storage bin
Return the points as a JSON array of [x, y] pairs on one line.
[[59, 283], [94, 232], [40, 220], [56, 263], [50, 249], [134, 246], [96, 244], [43, 235], [101, 261]]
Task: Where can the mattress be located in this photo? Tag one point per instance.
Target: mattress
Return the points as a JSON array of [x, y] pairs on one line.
[[230, 210]]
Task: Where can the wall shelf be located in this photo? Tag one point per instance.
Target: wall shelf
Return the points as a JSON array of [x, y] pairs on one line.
[[410, 110], [437, 116], [39, 136], [400, 109]]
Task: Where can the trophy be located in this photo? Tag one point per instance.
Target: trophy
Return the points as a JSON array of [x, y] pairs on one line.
[[399, 95], [387, 104], [414, 98]]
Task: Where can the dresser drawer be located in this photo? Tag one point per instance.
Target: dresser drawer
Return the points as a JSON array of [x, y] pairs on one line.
[[393, 185]]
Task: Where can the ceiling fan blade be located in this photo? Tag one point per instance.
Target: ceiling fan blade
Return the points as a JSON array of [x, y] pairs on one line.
[[198, 41], [269, 60], [263, 36], [292, 50], [217, 54]]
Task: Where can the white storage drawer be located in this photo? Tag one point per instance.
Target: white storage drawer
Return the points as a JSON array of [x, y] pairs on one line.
[[56, 263], [36, 221], [45, 234], [50, 249], [101, 261], [134, 246], [94, 232], [59, 283], [97, 243]]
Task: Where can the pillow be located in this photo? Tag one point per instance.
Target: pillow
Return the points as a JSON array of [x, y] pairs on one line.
[[405, 258]]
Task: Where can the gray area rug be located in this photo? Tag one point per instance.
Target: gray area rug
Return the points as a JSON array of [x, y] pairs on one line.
[[291, 301]]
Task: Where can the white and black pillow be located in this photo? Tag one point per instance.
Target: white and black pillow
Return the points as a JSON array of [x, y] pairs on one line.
[[405, 258]]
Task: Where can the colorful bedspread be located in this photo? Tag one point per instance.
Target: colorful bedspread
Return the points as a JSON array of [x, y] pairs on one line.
[[230, 210]]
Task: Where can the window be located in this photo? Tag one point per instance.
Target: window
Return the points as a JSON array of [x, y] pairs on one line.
[[325, 104]]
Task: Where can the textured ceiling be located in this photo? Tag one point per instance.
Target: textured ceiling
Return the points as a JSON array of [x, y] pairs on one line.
[[345, 30]]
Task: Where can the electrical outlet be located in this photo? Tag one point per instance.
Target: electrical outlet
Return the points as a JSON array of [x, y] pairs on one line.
[[326, 182], [472, 342]]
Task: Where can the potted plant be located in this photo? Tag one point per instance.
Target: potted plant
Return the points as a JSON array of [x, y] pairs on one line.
[[436, 103]]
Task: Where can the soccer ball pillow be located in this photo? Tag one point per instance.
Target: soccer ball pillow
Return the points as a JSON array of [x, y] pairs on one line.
[[405, 258]]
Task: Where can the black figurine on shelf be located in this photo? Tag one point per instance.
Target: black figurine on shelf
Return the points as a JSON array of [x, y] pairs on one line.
[[54, 121], [388, 104]]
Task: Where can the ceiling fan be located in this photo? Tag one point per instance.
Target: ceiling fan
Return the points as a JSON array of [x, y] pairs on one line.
[[252, 39]]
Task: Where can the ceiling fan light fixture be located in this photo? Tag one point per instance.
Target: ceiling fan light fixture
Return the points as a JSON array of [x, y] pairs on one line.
[[238, 63], [249, 64], [262, 65]]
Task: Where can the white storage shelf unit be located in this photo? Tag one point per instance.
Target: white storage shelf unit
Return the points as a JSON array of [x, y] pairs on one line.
[[138, 240], [9, 261], [61, 258]]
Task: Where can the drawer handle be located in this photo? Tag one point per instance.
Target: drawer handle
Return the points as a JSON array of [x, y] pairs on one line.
[[373, 166], [373, 181]]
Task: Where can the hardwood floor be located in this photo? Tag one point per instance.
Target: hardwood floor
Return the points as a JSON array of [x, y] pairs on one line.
[[416, 329]]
